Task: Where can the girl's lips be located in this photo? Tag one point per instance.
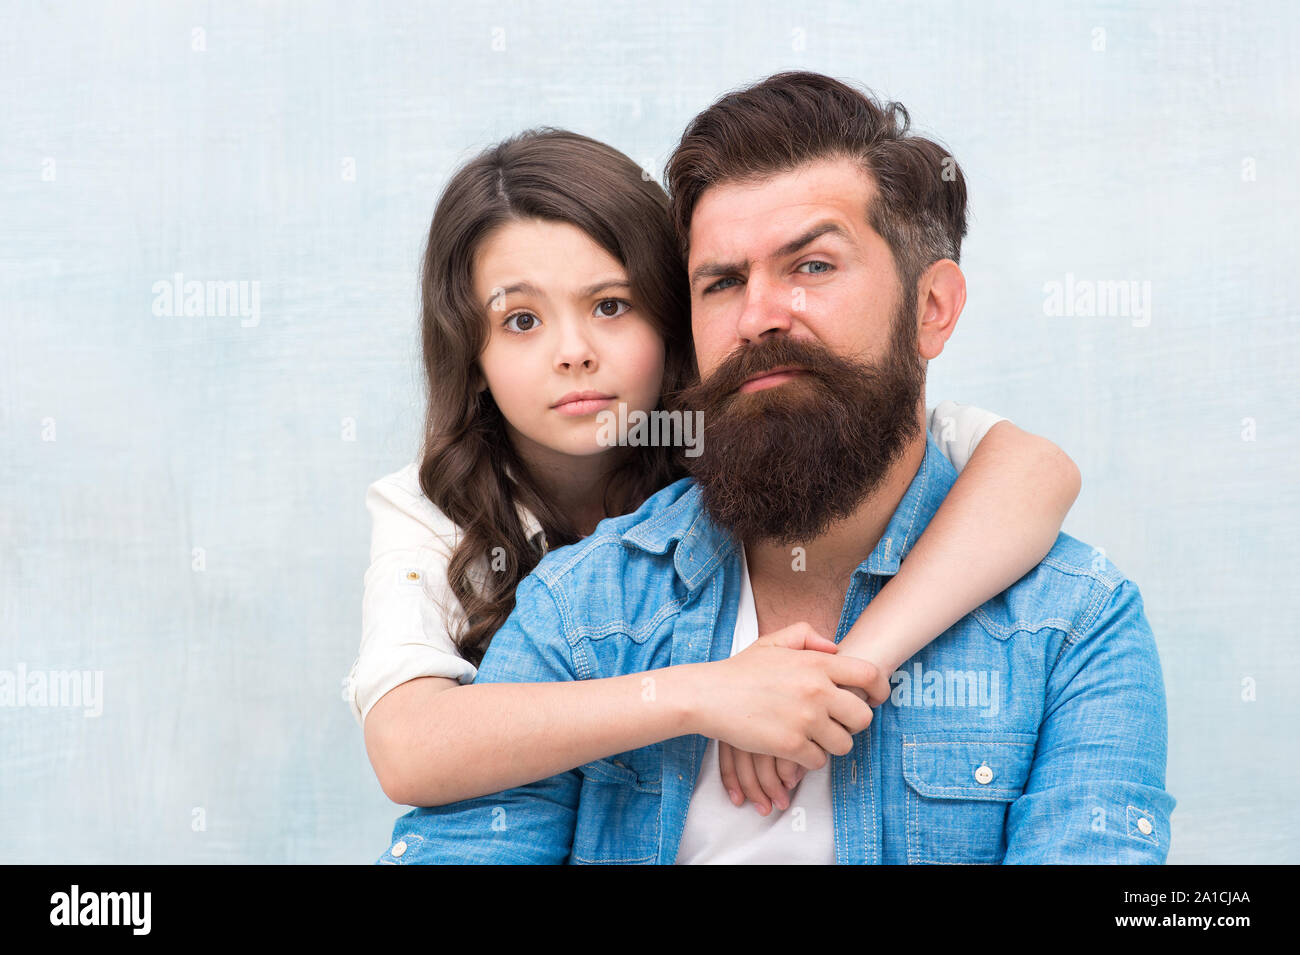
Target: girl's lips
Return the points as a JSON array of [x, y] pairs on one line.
[[583, 406]]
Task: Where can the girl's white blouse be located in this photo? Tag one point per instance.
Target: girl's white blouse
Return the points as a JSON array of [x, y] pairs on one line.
[[408, 612]]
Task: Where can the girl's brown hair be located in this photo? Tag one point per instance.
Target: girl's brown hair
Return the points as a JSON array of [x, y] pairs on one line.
[[467, 459]]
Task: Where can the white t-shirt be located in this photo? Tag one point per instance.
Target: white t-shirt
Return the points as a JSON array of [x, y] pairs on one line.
[[721, 833], [408, 612]]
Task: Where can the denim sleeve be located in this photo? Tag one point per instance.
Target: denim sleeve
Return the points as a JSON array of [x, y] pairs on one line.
[[527, 824], [1096, 791]]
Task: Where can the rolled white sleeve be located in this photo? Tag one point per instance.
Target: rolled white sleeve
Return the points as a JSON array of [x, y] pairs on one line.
[[408, 613], [958, 428]]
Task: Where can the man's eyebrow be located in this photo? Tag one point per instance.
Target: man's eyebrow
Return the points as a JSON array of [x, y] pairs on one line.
[[816, 232], [714, 269], [710, 270]]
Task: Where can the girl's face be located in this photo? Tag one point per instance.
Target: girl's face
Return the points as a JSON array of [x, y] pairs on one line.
[[561, 320]]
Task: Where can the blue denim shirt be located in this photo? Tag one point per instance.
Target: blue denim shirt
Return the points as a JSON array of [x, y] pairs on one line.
[[1033, 730]]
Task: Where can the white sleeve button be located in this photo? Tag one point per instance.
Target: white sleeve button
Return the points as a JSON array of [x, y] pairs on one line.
[[1144, 826], [398, 848], [983, 775]]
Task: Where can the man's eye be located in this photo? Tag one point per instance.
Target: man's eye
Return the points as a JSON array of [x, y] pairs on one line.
[[719, 285], [527, 317], [619, 306], [827, 268]]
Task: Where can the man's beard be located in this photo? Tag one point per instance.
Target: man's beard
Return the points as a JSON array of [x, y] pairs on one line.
[[784, 463]]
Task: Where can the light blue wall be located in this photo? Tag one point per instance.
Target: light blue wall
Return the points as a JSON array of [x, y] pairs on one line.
[[127, 156]]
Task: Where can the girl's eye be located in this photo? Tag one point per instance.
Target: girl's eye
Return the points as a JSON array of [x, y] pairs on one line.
[[827, 268], [719, 285], [619, 306], [527, 317]]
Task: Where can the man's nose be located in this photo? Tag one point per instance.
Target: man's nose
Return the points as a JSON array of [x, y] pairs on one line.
[[768, 309]]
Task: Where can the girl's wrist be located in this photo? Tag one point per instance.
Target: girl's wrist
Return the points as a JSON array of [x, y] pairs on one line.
[[685, 690], [877, 643]]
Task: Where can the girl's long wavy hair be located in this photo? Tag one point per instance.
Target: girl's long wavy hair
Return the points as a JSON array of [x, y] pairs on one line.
[[467, 458]]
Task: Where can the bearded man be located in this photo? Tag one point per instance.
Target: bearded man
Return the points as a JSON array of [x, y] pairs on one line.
[[822, 241]]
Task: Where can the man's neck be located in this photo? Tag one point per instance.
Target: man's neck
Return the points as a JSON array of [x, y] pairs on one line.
[[828, 561]]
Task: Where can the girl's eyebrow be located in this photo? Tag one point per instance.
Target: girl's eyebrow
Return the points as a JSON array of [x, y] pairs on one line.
[[599, 287], [530, 289], [510, 290]]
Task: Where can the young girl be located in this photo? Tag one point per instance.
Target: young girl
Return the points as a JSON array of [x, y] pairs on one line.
[[552, 288]]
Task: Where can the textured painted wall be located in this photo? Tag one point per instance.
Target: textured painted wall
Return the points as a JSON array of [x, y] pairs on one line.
[[181, 497]]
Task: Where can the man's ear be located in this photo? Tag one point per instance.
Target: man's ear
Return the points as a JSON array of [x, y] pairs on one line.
[[941, 295]]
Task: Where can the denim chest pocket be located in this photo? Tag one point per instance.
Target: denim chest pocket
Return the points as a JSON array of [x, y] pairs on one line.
[[959, 787], [618, 809]]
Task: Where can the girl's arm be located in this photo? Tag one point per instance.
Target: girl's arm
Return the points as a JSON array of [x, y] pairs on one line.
[[999, 519], [432, 741]]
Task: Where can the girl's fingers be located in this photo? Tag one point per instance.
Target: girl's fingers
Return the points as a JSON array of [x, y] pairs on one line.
[[811, 756], [749, 782], [880, 691], [789, 772], [799, 638], [849, 711], [727, 764], [765, 770], [818, 642], [833, 738]]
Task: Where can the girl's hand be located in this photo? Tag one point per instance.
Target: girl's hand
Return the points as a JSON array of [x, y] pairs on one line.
[[880, 689], [787, 695], [764, 780], [789, 773], [752, 776]]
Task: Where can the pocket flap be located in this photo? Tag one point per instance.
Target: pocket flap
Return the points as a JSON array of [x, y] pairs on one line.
[[640, 769], [968, 765]]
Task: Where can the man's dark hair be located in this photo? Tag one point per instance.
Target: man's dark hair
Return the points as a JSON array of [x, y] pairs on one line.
[[793, 118]]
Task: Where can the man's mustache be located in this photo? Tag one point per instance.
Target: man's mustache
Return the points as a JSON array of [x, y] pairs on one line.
[[749, 361]]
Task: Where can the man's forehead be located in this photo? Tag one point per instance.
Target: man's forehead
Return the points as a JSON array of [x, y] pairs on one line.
[[756, 216]]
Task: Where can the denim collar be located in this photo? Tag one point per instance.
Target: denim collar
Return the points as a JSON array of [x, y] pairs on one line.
[[703, 545]]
